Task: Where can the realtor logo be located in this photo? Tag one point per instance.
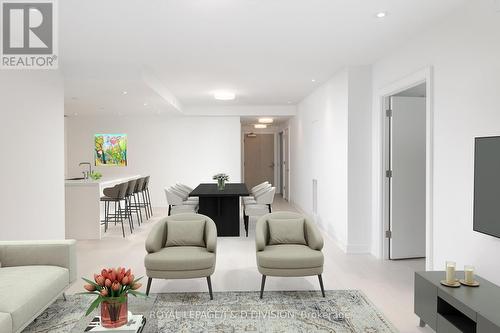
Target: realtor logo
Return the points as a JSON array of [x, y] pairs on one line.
[[28, 35]]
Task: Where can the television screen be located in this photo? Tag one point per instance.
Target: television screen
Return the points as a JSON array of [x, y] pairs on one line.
[[487, 185]]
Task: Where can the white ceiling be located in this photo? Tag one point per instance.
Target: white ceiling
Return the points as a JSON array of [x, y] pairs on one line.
[[267, 51]]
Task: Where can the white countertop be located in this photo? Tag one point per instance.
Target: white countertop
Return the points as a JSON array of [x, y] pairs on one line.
[[100, 182]]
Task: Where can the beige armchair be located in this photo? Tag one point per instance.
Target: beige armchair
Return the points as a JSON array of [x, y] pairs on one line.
[[181, 246], [288, 244]]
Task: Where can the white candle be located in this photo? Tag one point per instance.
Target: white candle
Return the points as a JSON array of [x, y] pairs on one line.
[[469, 274], [450, 272]]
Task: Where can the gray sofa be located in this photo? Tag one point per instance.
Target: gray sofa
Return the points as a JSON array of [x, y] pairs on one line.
[[33, 274]]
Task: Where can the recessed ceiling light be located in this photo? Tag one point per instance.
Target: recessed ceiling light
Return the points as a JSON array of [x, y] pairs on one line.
[[313, 80], [381, 14], [289, 102], [224, 95], [145, 104], [266, 120], [260, 126], [124, 92]]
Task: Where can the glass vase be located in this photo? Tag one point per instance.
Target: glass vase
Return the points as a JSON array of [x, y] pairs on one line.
[[114, 313], [221, 184]]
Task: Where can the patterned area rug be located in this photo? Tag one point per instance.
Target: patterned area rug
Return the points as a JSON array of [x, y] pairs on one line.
[[341, 311]]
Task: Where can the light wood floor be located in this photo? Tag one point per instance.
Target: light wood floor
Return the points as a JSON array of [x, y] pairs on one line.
[[388, 284]]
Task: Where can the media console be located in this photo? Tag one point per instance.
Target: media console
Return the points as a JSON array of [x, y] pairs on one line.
[[450, 310]]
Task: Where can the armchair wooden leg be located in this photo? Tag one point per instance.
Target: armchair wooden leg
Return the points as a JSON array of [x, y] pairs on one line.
[[262, 284], [149, 286], [321, 285], [209, 282]]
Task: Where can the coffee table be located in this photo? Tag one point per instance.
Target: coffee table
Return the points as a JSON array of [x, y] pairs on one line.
[[136, 305]]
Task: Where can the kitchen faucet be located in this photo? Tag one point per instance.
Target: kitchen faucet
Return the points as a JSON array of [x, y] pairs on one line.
[[87, 174]]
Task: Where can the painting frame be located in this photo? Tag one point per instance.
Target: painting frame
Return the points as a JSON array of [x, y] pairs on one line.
[[110, 150]]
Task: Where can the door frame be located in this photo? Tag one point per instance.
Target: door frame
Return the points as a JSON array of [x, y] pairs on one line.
[[380, 188], [287, 160]]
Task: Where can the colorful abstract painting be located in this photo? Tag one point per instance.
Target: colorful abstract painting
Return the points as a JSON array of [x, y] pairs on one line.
[[110, 149]]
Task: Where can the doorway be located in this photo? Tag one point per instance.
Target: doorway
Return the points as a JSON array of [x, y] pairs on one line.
[[406, 173], [258, 158]]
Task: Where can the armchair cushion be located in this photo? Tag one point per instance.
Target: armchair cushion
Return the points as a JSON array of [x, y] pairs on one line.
[[180, 258], [289, 256], [186, 233], [286, 231]]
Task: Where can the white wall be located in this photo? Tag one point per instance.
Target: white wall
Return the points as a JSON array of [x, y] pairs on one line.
[[359, 160], [464, 51], [32, 150], [169, 149], [331, 140]]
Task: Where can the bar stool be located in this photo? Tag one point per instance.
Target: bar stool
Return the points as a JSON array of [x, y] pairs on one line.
[[145, 191], [137, 199], [140, 193], [128, 201], [116, 195], [138, 204]]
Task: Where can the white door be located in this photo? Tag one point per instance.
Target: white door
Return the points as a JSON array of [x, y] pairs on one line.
[[407, 139]]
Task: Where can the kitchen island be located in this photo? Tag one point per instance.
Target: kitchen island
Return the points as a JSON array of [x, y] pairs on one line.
[[83, 207]]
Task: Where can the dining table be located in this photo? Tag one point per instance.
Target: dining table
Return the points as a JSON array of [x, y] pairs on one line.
[[222, 206]]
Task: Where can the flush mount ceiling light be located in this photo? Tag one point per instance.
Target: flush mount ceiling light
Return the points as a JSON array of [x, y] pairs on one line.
[[266, 120], [260, 126], [224, 95], [381, 15]]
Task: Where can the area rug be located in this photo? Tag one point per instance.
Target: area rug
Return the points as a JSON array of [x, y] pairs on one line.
[[342, 311]]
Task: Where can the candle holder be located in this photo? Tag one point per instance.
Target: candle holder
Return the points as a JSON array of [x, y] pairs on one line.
[[450, 280], [468, 279]]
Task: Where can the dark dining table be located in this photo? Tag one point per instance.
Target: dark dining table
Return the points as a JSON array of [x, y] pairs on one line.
[[222, 206]]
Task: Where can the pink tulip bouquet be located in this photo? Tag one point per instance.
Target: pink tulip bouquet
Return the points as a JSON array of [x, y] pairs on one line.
[[112, 286]]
